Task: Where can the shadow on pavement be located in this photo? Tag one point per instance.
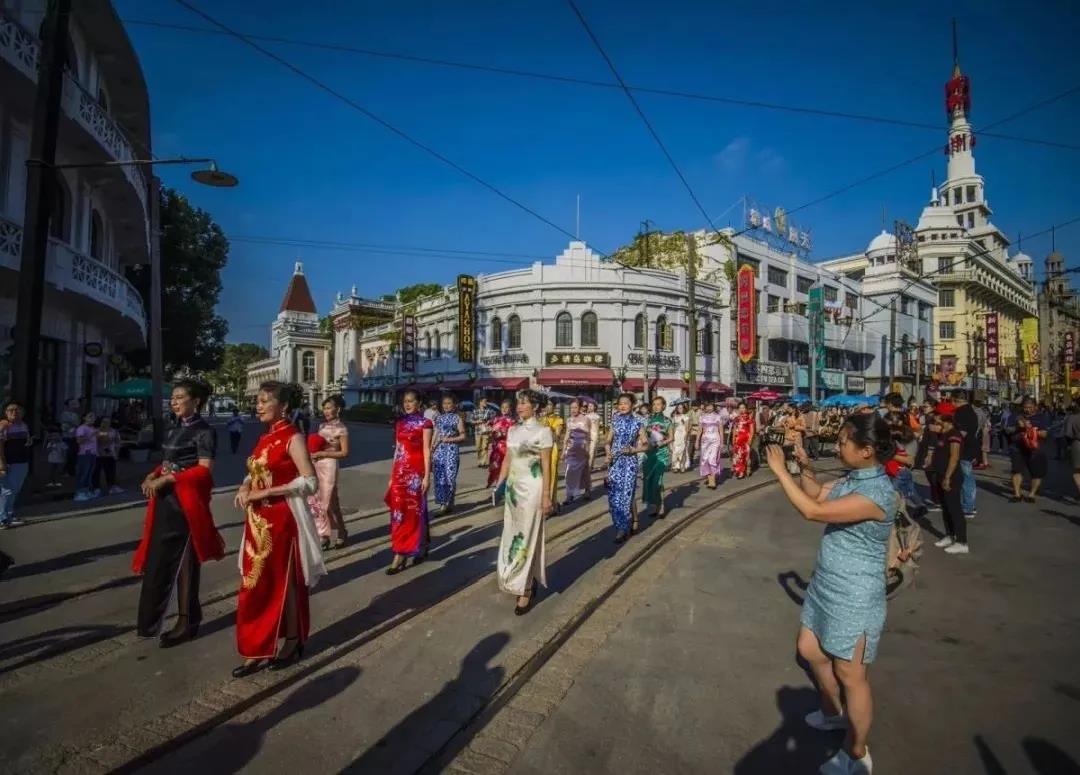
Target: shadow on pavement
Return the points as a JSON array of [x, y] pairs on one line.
[[1068, 518], [794, 747], [1045, 757], [51, 644], [408, 745], [791, 578]]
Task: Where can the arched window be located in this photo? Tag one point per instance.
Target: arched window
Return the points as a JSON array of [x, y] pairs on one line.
[[427, 344], [639, 331], [705, 338], [514, 332], [308, 366], [664, 338], [495, 341], [97, 236], [564, 330], [438, 345], [60, 217], [589, 333]]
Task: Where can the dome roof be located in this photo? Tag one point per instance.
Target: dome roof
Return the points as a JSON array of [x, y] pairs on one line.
[[883, 241], [1021, 258]]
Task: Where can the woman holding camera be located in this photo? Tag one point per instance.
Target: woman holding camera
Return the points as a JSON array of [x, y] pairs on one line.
[[844, 612]]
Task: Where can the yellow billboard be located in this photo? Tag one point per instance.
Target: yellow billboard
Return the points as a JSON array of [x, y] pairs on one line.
[[1029, 339]]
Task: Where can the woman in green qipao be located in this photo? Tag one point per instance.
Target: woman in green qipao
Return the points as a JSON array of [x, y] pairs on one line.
[[659, 432], [527, 472]]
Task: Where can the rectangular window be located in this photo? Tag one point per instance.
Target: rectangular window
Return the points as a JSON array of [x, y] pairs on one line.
[[971, 193], [753, 263], [905, 305], [946, 329], [777, 276], [774, 304], [923, 311], [851, 301], [971, 220], [802, 284], [947, 297], [958, 196], [933, 236], [831, 294], [959, 222], [944, 265]]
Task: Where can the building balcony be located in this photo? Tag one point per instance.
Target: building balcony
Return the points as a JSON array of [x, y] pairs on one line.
[[792, 327], [88, 134], [82, 285]]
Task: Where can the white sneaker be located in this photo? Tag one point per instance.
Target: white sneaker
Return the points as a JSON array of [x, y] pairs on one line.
[[944, 542], [818, 720], [114, 490], [957, 548], [81, 496], [970, 514], [842, 764]]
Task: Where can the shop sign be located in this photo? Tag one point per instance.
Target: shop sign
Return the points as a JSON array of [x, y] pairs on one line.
[[504, 359], [992, 340], [1070, 347], [855, 384], [746, 314], [466, 285], [664, 362], [577, 359], [765, 373], [829, 378], [408, 344]]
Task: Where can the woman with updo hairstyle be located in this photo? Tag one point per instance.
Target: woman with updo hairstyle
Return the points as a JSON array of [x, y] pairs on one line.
[[179, 532], [279, 557], [844, 611], [331, 445], [527, 472], [410, 479]]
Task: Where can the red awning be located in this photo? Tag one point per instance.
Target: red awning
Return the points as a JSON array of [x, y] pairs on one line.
[[461, 385], [502, 383], [713, 387], [635, 383], [593, 376]]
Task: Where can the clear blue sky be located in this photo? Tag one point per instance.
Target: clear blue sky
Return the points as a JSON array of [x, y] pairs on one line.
[[313, 168]]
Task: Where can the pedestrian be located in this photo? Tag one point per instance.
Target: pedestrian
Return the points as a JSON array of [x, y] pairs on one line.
[[594, 432], [1008, 420], [526, 474], [86, 440], [811, 435], [334, 448], [431, 412], [966, 420], [710, 443], [552, 419], [843, 613], [410, 479], [680, 447], [498, 428], [578, 475], [16, 444], [625, 439], [69, 422], [481, 417], [693, 442], [946, 461], [984, 436], [108, 452], [179, 532], [55, 455], [280, 560], [742, 440], [1027, 458], [235, 427], [1072, 433], [658, 436], [449, 432]]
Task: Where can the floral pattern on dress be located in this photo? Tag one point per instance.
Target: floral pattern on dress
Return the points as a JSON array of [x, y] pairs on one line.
[[521, 550], [623, 468], [405, 497], [445, 458]]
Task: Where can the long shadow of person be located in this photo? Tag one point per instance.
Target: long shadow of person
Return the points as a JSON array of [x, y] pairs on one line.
[[53, 643], [793, 747], [1047, 759], [233, 746], [424, 731], [990, 762], [791, 578]]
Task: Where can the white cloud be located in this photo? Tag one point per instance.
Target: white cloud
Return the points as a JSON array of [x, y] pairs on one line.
[[740, 155], [733, 157]]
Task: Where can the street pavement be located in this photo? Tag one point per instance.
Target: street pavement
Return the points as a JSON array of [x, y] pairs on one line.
[[664, 656]]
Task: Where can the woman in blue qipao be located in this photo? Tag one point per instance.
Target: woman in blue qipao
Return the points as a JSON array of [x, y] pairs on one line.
[[449, 433], [844, 611], [625, 439]]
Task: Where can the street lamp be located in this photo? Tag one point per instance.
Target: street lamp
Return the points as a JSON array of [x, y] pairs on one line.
[[211, 176]]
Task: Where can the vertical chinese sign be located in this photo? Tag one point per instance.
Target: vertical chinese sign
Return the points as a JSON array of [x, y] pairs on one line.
[[816, 308], [1069, 350], [992, 340], [466, 287], [408, 344], [746, 314]]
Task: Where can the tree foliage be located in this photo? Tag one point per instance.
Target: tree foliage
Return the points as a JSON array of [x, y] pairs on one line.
[[194, 250], [230, 377], [411, 293], [671, 252]]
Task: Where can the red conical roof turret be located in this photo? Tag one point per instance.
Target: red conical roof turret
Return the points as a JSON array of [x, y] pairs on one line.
[[298, 295]]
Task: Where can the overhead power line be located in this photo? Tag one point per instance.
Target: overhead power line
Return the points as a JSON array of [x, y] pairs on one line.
[[575, 80]]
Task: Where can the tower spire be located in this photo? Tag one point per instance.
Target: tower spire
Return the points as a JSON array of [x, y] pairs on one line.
[[955, 50]]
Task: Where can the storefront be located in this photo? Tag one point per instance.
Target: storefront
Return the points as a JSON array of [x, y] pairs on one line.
[[757, 375], [855, 385]]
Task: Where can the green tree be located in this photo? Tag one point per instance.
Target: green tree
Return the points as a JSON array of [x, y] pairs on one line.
[[194, 250], [411, 293], [230, 377]]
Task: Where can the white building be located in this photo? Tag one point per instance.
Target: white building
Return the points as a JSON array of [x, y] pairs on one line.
[[299, 351], [100, 226], [576, 326]]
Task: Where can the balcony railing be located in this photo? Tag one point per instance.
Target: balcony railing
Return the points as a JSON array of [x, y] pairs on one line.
[[20, 47], [72, 271]]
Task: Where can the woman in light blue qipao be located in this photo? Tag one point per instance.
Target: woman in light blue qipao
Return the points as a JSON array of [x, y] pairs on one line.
[[844, 612]]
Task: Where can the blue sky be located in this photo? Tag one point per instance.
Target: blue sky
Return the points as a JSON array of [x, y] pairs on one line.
[[313, 168]]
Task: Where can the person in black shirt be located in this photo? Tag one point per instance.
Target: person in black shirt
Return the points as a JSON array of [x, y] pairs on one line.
[[945, 460], [1027, 432], [966, 421], [179, 533]]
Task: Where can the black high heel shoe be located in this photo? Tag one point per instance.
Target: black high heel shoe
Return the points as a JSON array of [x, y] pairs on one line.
[[421, 557], [280, 663], [521, 610], [621, 536], [248, 668], [325, 543], [178, 635], [394, 570]]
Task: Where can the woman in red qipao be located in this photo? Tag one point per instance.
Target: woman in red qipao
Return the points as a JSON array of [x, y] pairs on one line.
[[280, 558], [500, 427], [406, 493]]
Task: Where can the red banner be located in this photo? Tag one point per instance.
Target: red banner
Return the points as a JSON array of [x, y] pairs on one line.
[[992, 340], [746, 317]]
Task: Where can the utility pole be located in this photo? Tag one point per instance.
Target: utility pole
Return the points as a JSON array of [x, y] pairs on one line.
[[892, 344], [645, 333], [40, 190], [918, 368], [691, 308]]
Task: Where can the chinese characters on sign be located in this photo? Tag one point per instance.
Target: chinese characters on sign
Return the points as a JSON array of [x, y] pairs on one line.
[[746, 317], [778, 225], [765, 373], [577, 359], [665, 362], [1070, 348], [504, 359], [408, 344], [992, 340], [466, 286]]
